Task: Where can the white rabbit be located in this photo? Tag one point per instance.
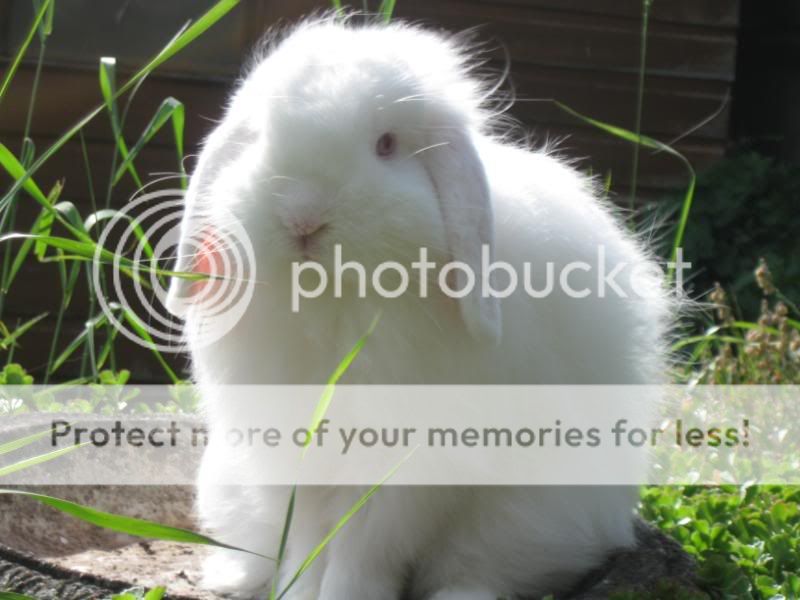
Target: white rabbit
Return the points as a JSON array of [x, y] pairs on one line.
[[379, 138]]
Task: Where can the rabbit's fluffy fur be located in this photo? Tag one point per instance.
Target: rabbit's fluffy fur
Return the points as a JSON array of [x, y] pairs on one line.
[[297, 144]]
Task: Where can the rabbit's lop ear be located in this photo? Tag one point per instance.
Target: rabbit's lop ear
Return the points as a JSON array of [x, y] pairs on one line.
[[460, 181]]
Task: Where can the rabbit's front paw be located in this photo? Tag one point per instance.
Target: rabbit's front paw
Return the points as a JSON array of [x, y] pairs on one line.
[[465, 593], [243, 577]]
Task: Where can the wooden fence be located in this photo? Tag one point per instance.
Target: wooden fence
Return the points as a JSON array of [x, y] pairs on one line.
[[584, 53]]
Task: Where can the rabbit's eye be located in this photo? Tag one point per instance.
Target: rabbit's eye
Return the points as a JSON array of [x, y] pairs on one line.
[[386, 145]]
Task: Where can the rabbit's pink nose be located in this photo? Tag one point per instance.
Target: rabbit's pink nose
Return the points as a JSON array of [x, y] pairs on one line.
[[306, 228], [305, 233]]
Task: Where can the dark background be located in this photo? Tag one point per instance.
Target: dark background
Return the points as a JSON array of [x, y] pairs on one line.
[[735, 60]]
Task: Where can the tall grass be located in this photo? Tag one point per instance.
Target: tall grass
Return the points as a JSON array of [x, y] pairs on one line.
[[74, 253], [639, 100]]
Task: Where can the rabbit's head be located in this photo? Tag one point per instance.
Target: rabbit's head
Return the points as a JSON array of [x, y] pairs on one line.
[[361, 136]]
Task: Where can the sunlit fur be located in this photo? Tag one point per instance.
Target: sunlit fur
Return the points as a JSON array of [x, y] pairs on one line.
[[297, 141]]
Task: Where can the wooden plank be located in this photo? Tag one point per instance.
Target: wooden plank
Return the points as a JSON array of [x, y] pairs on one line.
[[713, 13], [67, 94], [573, 40], [534, 32], [134, 32], [671, 106], [601, 150], [67, 165], [602, 153], [582, 52]]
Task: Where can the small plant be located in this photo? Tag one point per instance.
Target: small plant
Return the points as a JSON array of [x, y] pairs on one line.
[[746, 206], [141, 594], [746, 539], [764, 351], [14, 374]]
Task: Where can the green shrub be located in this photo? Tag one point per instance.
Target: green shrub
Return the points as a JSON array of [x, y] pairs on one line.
[[745, 207]]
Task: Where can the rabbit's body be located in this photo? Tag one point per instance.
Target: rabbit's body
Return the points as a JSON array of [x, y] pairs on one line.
[[436, 543]]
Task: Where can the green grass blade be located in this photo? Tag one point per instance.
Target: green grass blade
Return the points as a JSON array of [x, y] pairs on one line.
[[85, 251], [88, 329], [639, 99], [178, 43], [155, 593], [46, 27], [37, 460], [42, 225], [287, 524], [705, 338], [108, 346], [11, 338], [110, 213], [183, 39], [309, 560], [747, 325], [654, 144], [23, 179], [14, 596], [108, 85], [607, 183], [14, 168], [319, 414], [123, 524], [387, 9], [140, 330], [68, 214], [327, 395], [12, 68], [170, 110], [22, 442]]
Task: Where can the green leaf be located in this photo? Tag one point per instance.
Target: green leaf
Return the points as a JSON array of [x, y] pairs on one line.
[[81, 250], [139, 233], [14, 596], [36, 460], [170, 110], [42, 225], [654, 144], [387, 9], [309, 560], [12, 68], [123, 524], [142, 332], [23, 179], [327, 394], [11, 338], [22, 442], [108, 85], [155, 593], [287, 523], [88, 329], [78, 248], [14, 168], [14, 374]]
